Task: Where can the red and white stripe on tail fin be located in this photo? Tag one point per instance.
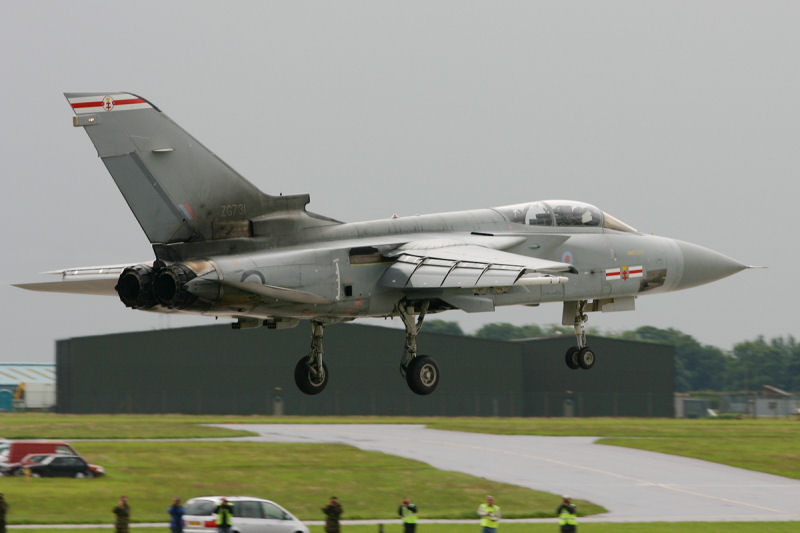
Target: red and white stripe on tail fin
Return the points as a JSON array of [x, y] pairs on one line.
[[95, 103]]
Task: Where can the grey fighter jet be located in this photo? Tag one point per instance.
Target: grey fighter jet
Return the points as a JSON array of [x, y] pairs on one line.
[[225, 249]]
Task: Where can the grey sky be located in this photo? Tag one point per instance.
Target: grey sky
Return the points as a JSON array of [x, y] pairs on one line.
[[680, 118]]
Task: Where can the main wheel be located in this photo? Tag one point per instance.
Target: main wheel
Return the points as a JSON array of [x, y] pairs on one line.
[[586, 358], [422, 375], [307, 380], [571, 357]]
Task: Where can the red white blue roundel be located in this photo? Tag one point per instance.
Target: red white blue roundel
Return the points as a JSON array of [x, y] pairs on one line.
[[566, 257]]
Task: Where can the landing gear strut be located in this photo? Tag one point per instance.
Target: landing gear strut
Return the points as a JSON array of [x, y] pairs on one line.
[[580, 356], [420, 371], [311, 373]]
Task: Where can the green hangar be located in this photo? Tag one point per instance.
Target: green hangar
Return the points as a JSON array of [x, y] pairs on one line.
[[216, 370]]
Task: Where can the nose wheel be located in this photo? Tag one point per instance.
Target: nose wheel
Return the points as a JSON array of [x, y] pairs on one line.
[[580, 356]]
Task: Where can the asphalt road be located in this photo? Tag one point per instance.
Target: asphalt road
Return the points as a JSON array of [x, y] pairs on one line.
[[634, 485]]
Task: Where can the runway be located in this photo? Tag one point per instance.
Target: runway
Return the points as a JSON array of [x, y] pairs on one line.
[[634, 485]]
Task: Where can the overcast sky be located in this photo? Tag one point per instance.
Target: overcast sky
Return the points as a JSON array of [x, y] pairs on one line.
[[680, 118]]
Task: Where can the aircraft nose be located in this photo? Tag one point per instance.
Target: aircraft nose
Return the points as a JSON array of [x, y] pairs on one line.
[[702, 265]]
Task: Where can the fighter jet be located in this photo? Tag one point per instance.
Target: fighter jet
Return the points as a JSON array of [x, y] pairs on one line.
[[223, 248]]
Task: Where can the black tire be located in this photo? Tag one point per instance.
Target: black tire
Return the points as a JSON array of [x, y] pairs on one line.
[[422, 375], [586, 358], [571, 358], [306, 381]]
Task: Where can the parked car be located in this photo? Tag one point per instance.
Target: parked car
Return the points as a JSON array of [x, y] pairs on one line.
[[18, 469], [250, 515], [17, 449], [60, 465]]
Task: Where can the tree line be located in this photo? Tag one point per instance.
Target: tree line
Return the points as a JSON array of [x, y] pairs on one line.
[[748, 366]]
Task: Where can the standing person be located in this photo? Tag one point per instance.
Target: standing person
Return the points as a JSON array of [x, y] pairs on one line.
[[224, 515], [3, 511], [490, 515], [123, 512], [176, 513], [567, 516], [332, 513], [408, 512]]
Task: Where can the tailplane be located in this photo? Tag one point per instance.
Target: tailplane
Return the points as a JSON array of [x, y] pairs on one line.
[[178, 189]]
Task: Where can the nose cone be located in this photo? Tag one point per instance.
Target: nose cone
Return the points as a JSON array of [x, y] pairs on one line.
[[701, 265]]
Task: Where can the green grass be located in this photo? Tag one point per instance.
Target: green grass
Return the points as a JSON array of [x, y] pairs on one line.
[[649, 527], [299, 476], [623, 427], [779, 456], [60, 426], [762, 445]]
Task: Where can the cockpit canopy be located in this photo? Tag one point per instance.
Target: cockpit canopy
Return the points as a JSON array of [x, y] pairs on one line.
[[563, 213]]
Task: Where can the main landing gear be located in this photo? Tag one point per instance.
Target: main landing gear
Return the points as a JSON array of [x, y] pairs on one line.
[[420, 371], [580, 356]]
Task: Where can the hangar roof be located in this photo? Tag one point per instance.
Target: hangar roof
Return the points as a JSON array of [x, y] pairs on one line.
[[15, 373]]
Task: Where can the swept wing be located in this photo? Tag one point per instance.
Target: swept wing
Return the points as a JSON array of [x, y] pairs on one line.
[[437, 264]]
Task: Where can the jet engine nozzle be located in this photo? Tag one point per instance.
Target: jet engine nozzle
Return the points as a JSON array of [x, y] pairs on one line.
[[169, 286], [135, 287]]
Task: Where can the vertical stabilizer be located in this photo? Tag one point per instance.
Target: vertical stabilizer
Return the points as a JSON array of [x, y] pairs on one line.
[[178, 190]]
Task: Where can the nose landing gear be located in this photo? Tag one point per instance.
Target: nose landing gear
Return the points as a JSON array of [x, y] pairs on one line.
[[311, 373]]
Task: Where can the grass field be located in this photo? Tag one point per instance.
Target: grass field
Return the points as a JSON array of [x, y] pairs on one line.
[[299, 476], [650, 527], [762, 445], [303, 476]]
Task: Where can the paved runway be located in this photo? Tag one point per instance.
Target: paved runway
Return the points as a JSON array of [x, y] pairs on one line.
[[633, 485]]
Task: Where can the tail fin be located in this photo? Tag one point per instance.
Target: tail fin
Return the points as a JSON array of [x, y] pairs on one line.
[[178, 190]]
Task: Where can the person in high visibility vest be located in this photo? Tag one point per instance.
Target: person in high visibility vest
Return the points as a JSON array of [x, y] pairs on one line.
[[490, 515], [224, 515], [408, 512], [567, 516]]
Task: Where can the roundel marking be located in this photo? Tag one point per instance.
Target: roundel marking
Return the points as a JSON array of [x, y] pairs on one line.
[[256, 273]]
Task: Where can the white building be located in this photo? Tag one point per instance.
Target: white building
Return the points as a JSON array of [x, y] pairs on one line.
[[39, 381]]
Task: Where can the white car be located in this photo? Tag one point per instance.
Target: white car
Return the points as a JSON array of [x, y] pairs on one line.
[[250, 515]]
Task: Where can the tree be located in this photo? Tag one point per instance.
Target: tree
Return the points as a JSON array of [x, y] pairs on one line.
[[697, 366], [756, 363], [442, 326], [505, 331]]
